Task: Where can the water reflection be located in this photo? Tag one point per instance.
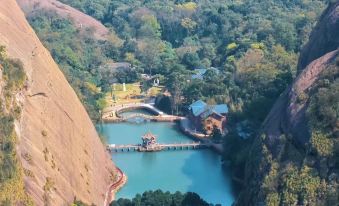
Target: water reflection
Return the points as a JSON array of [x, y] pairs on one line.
[[148, 159]]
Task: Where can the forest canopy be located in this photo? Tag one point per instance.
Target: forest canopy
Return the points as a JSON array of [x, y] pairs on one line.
[[253, 45]]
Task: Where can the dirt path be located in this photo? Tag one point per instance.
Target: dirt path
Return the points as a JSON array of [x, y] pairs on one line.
[[81, 20]]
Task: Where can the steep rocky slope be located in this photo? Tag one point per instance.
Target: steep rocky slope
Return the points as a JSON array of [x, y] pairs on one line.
[[324, 38], [288, 116], [295, 160], [58, 143], [81, 20]]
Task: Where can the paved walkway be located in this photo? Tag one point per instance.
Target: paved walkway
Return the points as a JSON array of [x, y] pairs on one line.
[[186, 127]]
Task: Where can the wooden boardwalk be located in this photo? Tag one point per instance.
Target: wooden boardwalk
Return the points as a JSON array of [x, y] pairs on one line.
[[157, 147]]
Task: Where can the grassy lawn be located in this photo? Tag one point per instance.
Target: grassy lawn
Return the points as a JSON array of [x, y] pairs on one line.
[[154, 91], [131, 95]]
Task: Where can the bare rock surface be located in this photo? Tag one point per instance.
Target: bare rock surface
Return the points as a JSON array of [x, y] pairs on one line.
[[67, 159], [324, 37], [288, 114]]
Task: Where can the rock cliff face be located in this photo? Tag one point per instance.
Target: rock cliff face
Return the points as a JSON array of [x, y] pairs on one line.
[[284, 150], [324, 38], [57, 141], [295, 160], [288, 115]]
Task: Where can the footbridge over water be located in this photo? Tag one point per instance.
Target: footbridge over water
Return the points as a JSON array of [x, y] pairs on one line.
[[114, 113], [157, 147]]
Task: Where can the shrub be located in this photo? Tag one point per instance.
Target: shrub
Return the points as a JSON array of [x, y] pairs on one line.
[[321, 144], [45, 151], [258, 46], [49, 184], [44, 133], [29, 173], [302, 97], [28, 158], [231, 59], [53, 165], [14, 74], [272, 199], [302, 185], [232, 46], [78, 203]]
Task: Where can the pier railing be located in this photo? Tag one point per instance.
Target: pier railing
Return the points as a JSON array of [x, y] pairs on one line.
[[157, 147]]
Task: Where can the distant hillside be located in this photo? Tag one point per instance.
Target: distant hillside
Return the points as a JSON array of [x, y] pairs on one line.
[[57, 143], [82, 21]]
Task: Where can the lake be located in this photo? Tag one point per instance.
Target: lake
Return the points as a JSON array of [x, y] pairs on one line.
[[197, 171]]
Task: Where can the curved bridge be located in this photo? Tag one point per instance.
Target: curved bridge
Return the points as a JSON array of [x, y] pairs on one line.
[[113, 113], [165, 118], [131, 106], [128, 107]]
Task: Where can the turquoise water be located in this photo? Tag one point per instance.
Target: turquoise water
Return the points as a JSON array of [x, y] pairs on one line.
[[189, 170]]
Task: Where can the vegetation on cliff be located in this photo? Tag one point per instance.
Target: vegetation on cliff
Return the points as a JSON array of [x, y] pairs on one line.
[[78, 54], [282, 171], [12, 79]]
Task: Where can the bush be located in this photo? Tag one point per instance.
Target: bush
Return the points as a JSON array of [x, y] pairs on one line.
[[322, 144], [14, 74], [49, 184], [302, 185], [44, 133], [273, 199], [302, 97]]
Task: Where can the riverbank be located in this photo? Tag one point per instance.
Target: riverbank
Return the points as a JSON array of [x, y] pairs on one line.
[[115, 187]]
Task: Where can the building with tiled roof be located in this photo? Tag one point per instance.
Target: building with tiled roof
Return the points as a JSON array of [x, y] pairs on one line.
[[206, 118]]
